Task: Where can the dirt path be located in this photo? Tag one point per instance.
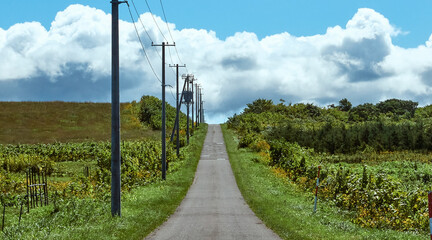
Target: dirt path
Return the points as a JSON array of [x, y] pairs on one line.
[[213, 208]]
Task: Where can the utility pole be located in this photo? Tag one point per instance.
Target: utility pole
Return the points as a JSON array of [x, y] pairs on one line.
[[187, 104], [176, 124], [163, 45], [115, 113], [197, 103], [192, 102], [202, 109], [179, 105]]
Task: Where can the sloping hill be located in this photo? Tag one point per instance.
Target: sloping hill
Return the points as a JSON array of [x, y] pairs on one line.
[[47, 122]]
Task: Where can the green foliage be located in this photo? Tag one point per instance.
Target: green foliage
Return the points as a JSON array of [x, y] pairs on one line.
[[398, 107], [82, 209], [287, 210], [363, 112], [150, 113], [259, 106], [345, 105], [388, 192]]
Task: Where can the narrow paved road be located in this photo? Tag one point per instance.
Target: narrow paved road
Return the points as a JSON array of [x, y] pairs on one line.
[[213, 208]]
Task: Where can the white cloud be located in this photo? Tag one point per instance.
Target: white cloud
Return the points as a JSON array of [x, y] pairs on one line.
[[429, 42], [72, 61]]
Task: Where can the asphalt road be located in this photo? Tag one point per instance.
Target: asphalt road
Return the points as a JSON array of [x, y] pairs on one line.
[[214, 207]]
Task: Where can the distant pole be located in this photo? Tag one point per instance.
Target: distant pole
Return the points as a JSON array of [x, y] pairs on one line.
[[197, 103], [192, 102], [163, 45], [179, 106], [202, 107], [115, 115], [187, 104], [176, 124]]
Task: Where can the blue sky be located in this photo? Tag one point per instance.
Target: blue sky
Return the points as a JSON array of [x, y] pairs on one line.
[[226, 17], [298, 50]]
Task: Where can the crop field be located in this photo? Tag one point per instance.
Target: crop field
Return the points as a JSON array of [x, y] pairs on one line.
[[68, 143], [376, 159]]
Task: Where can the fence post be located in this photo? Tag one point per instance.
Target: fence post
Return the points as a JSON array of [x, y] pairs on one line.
[[316, 190], [430, 212], [46, 188], [4, 213], [28, 196]]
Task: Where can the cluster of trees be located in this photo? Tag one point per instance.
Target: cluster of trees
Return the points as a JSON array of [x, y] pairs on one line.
[[150, 113], [386, 126]]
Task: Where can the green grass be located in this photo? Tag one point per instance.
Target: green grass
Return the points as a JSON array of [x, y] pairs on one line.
[[143, 209], [287, 210], [48, 122]]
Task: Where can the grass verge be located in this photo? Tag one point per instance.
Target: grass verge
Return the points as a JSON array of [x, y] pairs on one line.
[[287, 210], [143, 209]]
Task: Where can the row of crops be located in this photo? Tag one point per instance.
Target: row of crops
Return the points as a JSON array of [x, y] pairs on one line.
[[140, 165], [378, 171]]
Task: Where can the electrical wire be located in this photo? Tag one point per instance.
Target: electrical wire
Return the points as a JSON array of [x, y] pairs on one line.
[[142, 46], [148, 6], [157, 25], [148, 35], [169, 31]]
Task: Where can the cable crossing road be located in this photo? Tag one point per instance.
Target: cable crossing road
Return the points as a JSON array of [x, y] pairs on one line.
[[214, 207]]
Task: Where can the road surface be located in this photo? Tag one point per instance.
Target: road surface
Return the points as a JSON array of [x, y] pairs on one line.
[[213, 207]]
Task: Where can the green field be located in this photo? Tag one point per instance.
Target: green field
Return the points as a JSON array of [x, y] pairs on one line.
[[287, 209], [49, 122], [64, 140], [375, 159]]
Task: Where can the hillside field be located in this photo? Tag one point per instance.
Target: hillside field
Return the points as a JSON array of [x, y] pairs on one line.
[[49, 122]]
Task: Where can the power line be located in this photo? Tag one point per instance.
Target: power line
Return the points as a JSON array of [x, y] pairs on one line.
[[148, 6], [169, 31], [148, 35], [142, 46]]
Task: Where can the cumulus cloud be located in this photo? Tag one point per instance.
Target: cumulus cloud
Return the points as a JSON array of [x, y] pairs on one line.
[[72, 61]]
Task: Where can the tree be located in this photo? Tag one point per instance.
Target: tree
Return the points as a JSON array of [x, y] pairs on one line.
[[363, 112], [398, 107], [259, 106], [344, 105]]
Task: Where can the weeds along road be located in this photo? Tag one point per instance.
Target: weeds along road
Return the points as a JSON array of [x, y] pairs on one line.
[[214, 207]]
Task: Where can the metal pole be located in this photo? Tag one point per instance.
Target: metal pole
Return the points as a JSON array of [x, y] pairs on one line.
[[192, 102], [187, 103], [179, 107], [176, 125], [115, 115], [163, 110], [163, 115], [196, 104], [201, 107]]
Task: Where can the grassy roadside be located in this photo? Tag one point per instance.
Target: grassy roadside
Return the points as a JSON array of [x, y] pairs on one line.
[[287, 210], [143, 209]]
